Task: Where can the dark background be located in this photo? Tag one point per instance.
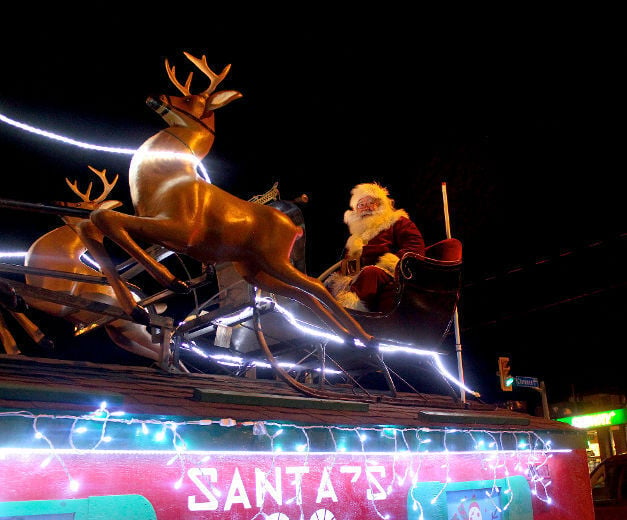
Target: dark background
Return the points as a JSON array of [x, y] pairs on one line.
[[520, 114]]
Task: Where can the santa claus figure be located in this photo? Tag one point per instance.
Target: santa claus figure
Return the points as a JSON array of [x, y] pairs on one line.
[[380, 235]]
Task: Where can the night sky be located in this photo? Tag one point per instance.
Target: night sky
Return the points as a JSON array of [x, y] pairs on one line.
[[524, 123]]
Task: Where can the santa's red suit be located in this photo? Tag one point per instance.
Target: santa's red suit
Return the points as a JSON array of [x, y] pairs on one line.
[[379, 238]]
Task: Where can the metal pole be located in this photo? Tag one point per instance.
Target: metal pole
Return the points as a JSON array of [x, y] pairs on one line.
[[545, 402], [458, 344], [44, 208]]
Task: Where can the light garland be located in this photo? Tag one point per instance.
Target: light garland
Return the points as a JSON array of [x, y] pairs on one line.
[[311, 330], [504, 453]]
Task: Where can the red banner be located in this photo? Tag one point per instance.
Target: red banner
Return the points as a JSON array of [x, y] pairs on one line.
[[495, 485]]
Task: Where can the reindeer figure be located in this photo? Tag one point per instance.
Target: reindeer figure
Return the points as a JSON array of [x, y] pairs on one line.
[[61, 249], [177, 209]]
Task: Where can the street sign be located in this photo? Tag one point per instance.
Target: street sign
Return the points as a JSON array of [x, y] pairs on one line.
[[529, 382]]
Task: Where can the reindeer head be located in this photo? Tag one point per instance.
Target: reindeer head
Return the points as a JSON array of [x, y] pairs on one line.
[[98, 202], [176, 111]]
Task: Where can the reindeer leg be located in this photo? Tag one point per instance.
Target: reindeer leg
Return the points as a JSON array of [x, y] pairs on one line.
[[33, 331], [93, 240], [270, 284], [6, 339], [320, 293], [314, 295], [121, 228]]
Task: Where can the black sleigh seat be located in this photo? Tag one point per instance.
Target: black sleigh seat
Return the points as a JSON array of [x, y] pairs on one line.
[[427, 289]]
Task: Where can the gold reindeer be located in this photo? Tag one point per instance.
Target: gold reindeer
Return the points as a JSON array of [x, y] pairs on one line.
[[176, 208], [61, 250]]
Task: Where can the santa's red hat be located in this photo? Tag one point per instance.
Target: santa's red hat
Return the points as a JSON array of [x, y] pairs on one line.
[[370, 189]]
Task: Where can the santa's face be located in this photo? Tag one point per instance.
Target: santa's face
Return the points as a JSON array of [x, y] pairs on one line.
[[367, 206]]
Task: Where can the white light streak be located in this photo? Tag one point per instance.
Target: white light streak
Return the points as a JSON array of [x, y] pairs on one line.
[[383, 348], [63, 139], [109, 149]]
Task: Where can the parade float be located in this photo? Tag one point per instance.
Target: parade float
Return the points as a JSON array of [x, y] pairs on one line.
[[266, 398]]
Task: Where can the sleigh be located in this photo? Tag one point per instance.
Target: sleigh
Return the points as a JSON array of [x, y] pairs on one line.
[[227, 326], [250, 333]]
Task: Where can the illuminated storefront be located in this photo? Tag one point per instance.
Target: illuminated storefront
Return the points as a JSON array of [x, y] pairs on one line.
[[607, 435]]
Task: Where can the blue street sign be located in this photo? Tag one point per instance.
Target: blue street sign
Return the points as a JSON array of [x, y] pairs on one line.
[[529, 382]]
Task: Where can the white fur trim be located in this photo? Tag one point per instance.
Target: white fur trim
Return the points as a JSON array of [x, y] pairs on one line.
[[363, 229], [350, 300], [387, 262], [337, 283], [369, 189]]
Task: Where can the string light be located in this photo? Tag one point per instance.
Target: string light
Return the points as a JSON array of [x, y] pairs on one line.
[[507, 454], [109, 149], [311, 330]]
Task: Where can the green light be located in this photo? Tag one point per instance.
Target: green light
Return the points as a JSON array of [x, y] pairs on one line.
[[595, 420], [509, 381]]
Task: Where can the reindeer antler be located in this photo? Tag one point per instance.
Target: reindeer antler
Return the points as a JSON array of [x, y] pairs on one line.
[[201, 64], [172, 75], [108, 186]]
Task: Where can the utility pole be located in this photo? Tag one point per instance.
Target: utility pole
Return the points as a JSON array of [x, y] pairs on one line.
[[545, 401], [458, 343]]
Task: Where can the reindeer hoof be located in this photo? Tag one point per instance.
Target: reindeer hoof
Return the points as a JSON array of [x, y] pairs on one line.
[[179, 287], [372, 345], [11, 299], [20, 304], [47, 344], [140, 315]]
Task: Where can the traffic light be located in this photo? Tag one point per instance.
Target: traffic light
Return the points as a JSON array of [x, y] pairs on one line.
[[505, 374]]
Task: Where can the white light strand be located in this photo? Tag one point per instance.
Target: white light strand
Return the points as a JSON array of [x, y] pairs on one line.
[[40, 435], [370, 492], [394, 477], [108, 149], [384, 348], [529, 448], [231, 360]]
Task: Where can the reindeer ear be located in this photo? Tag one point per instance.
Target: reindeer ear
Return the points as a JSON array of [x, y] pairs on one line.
[[220, 99], [110, 204]]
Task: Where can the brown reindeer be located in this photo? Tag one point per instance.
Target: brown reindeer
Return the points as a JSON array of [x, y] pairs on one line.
[[176, 208], [61, 250]]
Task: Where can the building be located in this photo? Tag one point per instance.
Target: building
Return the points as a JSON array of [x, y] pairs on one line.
[[603, 416]]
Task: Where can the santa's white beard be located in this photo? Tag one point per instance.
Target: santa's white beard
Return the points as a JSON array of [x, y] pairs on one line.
[[378, 220]]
